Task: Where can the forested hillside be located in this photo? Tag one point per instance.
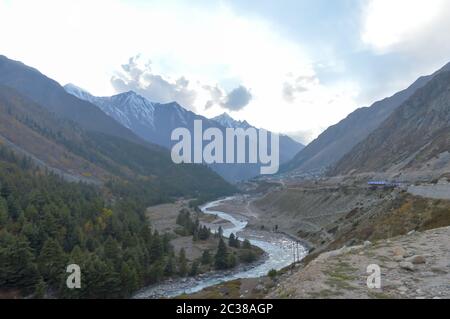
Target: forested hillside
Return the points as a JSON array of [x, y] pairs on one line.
[[47, 223]]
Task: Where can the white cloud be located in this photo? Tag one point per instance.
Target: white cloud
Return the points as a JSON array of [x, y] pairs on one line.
[[390, 25], [86, 42], [157, 88]]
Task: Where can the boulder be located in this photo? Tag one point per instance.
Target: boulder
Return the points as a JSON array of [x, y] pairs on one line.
[[417, 259], [398, 251], [406, 265]]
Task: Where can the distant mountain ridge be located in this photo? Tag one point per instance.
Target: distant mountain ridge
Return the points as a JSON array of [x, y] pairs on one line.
[[154, 122], [227, 121], [339, 139], [288, 146]]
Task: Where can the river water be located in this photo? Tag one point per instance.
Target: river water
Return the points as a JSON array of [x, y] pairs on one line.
[[278, 249]]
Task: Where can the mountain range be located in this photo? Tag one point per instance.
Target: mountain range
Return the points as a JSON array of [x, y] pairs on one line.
[[83, 137], [154, 122], [339, 139], [76, 139]]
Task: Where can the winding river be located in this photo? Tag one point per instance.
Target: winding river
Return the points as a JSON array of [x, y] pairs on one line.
[[278, 249]]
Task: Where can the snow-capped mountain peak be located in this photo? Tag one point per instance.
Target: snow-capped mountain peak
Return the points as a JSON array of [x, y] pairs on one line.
[[78, 92], [132, 100], [227, 121], [129, 108]]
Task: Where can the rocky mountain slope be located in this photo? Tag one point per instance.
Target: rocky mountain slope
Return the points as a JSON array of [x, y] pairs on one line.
[[339, 139], [415, 137], [49, 94]]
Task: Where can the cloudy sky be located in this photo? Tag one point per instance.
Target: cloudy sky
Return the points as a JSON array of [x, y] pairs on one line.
[[291, 66]]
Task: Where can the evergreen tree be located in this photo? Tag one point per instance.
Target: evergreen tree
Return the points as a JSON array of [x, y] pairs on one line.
[[221, 258], [204, 233], [237, 243], [156, 247], [232, 261], [182, 263], [247, 256], [99, 279], [194, 269], [206, 258], [246, 244], [3, 212], [52, 262], [170, 268], [14, 207], [195, 236], [40, 289], [156, 272], [220, 232], [17, 267], [231, 240], [112, 251], [129, 280]]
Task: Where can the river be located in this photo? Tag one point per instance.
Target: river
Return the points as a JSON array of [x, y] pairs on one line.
[[278, 249]]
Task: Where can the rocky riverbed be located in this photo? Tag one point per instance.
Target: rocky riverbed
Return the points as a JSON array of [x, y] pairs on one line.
[[278, 250]]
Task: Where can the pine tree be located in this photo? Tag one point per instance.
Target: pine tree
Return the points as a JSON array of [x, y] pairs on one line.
[[221, 258], [170, 268], [206, 258], [129, 279], [182, 263], [231, 240], [14, 207], [246, 244], [194, 269], [232, 261], [40, 289], [195, 236], [156, 272], [3, 212], [203, 233], [52, 262], [220, 232], [156, 247], [99, 279], [17, 267], [237, 243], [113, 252]]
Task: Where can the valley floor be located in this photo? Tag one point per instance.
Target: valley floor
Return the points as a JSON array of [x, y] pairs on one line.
[[406, 235]]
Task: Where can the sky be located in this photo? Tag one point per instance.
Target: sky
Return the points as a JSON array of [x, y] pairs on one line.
[[291, 66]]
